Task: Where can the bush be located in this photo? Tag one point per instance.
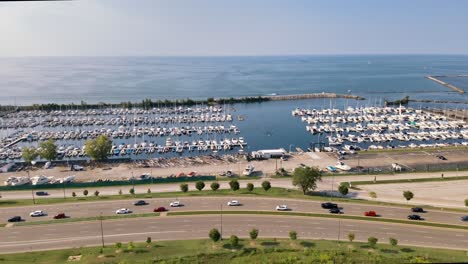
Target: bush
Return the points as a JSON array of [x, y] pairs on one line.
[[120, 192], [372, 241], [351, 237], [266, 185], [148, 240], [85, 192], [130, 246], [234, 240], [214, 186], [343, 189], [214, 235], [253, 234], [73, 194], [96, 193], [199, 185], [373, 194], [466, 202], [250, 187], [408, 195], [393, 241], [131, 191], [293, 235], [184, 187], [234, 184], [148, 191], [118, 245]]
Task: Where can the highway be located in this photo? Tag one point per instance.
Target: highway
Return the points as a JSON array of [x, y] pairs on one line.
[[79, 234], [90, 209]]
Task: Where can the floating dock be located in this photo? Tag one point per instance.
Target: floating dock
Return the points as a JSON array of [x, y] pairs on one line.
[[450, 86]]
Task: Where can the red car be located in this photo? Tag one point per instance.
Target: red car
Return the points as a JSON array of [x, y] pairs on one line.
[[159, 209], [60, 216], [370, 213]]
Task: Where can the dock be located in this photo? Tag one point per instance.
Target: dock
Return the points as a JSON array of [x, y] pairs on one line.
[[312, 96], [450, 86]]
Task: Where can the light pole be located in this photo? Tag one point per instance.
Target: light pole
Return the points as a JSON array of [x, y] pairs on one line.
[[102, 230], [221, 220], [32, 189]]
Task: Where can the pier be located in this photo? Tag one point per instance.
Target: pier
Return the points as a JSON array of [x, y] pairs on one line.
[[450, 86], [311, 96]]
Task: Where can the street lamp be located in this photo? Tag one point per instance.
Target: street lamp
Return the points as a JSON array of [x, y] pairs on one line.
[[32, 189], [102, 230], [221, 220]]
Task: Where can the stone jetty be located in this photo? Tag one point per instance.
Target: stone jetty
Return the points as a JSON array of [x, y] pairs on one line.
[[450, 86]]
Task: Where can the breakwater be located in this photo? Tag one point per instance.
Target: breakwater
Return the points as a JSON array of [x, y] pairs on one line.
[[312, 96], [436, 79]]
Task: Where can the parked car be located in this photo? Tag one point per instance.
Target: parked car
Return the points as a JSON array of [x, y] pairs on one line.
[[123, 211], [464, 218], [417, 210], [282, 207], [60, 216], [140, 202], [234, 203], [41, 193], [37, 213], [415, 217], [329, 205], [370, 213], [175, 204], [335, 211], [15, 219], [160, 209]]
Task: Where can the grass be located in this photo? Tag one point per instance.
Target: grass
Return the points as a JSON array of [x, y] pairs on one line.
[[81, 219], [414, 149], [263, 250], [351, 217], [274, 192], [457, 178]]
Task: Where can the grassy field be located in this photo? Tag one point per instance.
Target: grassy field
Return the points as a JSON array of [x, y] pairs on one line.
[[257, 192], [456, 178], [258, 251]]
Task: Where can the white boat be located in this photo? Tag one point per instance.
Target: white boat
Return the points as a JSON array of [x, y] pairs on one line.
[[341, 166], [248, 170], [37, 180], [16, 181], [68, 179]]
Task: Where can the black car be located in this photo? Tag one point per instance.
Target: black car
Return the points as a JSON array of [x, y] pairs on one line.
[[335, 211], [41, 193], [415, 217], [464, 218], [329, 205], [417, 210], [15, 219], [141, 202]]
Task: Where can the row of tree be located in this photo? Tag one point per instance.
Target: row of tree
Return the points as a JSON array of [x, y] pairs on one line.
[[233, 184]]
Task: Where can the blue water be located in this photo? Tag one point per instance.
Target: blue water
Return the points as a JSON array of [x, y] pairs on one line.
[[94, 79], [268, 125]]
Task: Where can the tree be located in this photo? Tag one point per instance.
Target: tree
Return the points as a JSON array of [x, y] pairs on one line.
[[466, 202], [234, 185], [393, 241], [343, 189], [214, 235], [148, 241], [293, 235], [148, 191], [253, 234], [96, 193], [408, 195], [48, 150], [266, 185], [306, 178], [214, 186], [351, 237], [199, 185], [250, 187], [29, 154], [73, 194], [372, 241], [184, 187], [99, 148], [373, 194], [234, 240], [85, 192], [131, 191], [120, 192]]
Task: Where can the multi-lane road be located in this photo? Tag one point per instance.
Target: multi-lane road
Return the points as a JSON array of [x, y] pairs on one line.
[[90, 209], [27, 238]]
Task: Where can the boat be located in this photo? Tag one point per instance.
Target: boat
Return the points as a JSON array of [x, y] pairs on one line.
[[248, 170], [38, 180], [68, 179], [342, 166], [331, 168]]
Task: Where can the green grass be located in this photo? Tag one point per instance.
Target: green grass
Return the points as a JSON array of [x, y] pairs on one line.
[[81, 219], [414, 150], [274, 192], [457, 178], [351, 217], [263, 250]]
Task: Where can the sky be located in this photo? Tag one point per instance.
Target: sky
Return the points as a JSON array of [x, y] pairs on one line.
[[232, 28]]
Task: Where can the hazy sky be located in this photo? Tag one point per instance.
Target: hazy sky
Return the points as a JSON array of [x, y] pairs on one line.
[[234, 27]]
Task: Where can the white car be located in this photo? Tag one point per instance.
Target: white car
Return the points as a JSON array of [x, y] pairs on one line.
[[234, 203], [282, 207], [37, 213], [176, 204], [123, 211]]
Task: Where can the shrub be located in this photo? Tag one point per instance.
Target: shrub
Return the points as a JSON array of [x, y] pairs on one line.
[[131, 191], [130, 246], [214, 186], [372, 241], [253, 234], [199, 185], [234, 184], [184, 187], [73, 194], [214, 235], [234, 240], [373, 194], [148, 240], [393, 241], [85, 192], [120, 192], [96, 193], [148, 191], [351, 237], [118, 245], [293, 235], [250, 187], [266, 185]]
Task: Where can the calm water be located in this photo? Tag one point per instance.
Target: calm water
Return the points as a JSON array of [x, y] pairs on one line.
[[267, 125]]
